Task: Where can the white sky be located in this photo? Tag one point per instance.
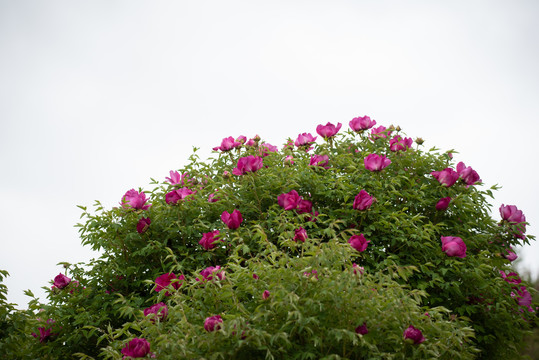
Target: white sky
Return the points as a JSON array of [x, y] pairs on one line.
[[96, 97]]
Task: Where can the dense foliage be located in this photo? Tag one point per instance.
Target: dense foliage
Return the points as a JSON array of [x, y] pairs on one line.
[[360, 245]]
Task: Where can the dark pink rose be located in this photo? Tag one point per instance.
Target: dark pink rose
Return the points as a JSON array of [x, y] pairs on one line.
[[213, 197], [232, 220], [136, 348], [305, 139], [255, 276], [45, 333], [511, 256], [211, 271], [328, 130], [358, 270], [209, 240], [289, 200], [143, 225], [248, 164], [61, 281], [413, 334], [228, 144], [178, 179], [241, 139], [212, 323], [453, 246], [375, 162], [467, 174], [359, 242], [265, 148], [300, 234], [446, 177], [250, 142], [304, 206], [163, 281], [320, 160], [266, 294], [380, 132], [362, 329], [362, 201], [512, 214], [361, 123], [134, 199], [523, 296], [398, 143], [177, 195], [443, 203], [157, 311], [512, 278]]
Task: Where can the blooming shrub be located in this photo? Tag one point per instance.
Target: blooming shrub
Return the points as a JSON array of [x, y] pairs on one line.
[[374, 249]]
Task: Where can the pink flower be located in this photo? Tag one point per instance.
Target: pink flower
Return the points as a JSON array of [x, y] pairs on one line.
[[232, 220], [380, 132], [61, 281], [375, 162], [443, 203], [305, 139], [304, 206], [300, 234], [212, 323], [136, 348], [359, 242], [289, 160], [446, 177], [248, 164], [512, 278], [228, 144], [255, 276], [512, 214], [511, 256], [175, 196], [467, 174], [289, 200], [265, 294], [361, 123], [213, 197], [209, 239], [162, 282], [241, 139], [178, 179], [398, 143], [320, 160], [266, 148], [363, 201], [211, 271], [143, 225], [413, 334], [358, 270], [453, 246], [328, 130], [44, 332], [157, 311], [135, 200], [362, 329], [524, 297]]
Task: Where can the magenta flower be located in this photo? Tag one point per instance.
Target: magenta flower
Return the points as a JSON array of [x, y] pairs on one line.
[[228, 144], [361, 123], [162, 282], [304, 206], [443, 203], [266, 148], [320, 160], [248, 164], [375, 162], [305, 139], [177, 195], [212, 323], [398, 143], [135, 200], [467, 174], [413, 334], [453, 246], [211, 271], [209, 240], [446, 177], [157, 311], [329, 130], [289, 200], [380, 132], [512, 214], [362, 329], [289, 160], [213, 197], [511, 256], [300, 234], [512, 278], [45, 333], [232, 220], [61, 281], [178, 179], [143, 225], [255, 276], [363, 201], [359, 242], [241, 139], [136, 348], [266, 294], [523, 296], [358, 270]]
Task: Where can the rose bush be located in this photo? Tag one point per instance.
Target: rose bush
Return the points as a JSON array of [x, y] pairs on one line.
[[380, 251]]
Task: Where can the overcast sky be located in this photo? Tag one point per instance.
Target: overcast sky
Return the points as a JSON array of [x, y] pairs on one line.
[[96, 97]]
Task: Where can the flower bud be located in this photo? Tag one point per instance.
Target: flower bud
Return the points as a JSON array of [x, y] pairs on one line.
[[419, 141]]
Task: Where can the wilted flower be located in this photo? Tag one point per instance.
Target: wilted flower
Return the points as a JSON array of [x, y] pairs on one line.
[[375, 162], [363, 201], [328, 130], [136, 200], [228, 144], [265, 294], [446, 177], [362, 329], [361, 123], [289, 200], [398, 143], [413, 334], [175, 196], [359, 242], [305, 139], [143, 225], [453, 246], [320, 160], [358, 270], [211, 271], [157, 311], [247, 164], [300, 234], [163, 281], [232, 220], [467, 174], [209, 239], [61, 281], [136, 348], [443, 203], [212, 323]]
